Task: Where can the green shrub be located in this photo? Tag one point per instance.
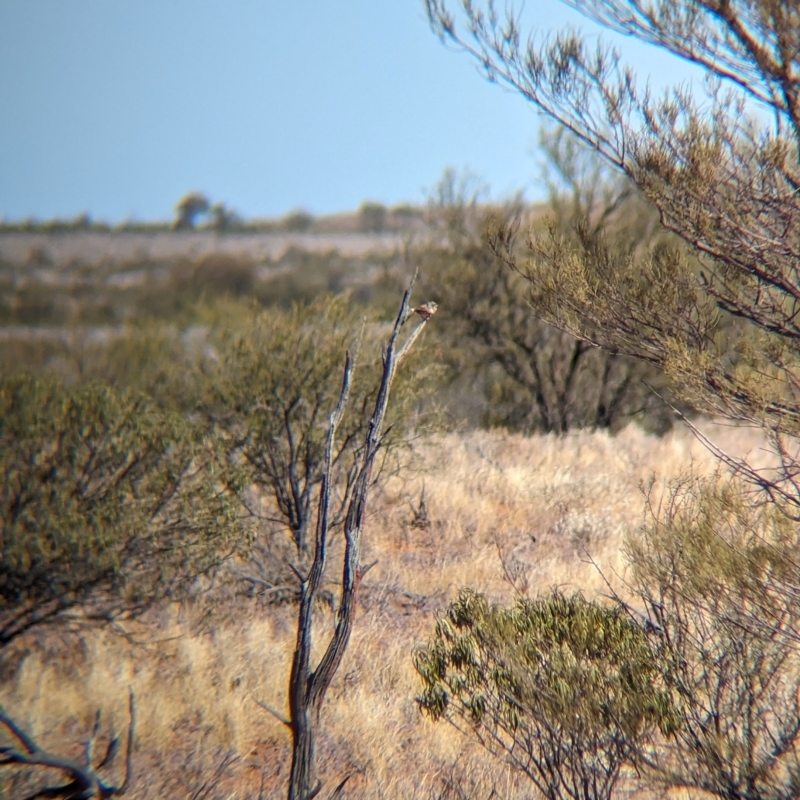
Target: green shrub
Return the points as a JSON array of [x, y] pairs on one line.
[[108, 504], [220, 273], [565, 690]]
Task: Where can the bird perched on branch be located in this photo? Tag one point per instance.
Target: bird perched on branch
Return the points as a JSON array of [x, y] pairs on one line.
[[427, 310]]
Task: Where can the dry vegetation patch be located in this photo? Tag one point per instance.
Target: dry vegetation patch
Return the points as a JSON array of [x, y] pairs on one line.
[[494, 504]]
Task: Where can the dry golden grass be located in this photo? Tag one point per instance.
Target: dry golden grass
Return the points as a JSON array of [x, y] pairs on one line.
[[542, 503]]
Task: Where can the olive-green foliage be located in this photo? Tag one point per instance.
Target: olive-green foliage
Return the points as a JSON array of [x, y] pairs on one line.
[[145, 356], [271, 387], [148, 357], [189, 284], [36, 355], [718, 577], [51, 297], [301, 276], [548, 379], [215, 274], [108, 503], [110, 294], [585, 192], [37, 303], [298, 221], [723, 178], [263, 382], [566, 690]]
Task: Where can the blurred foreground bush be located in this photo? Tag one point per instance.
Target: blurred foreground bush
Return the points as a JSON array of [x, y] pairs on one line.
[[717, 577]]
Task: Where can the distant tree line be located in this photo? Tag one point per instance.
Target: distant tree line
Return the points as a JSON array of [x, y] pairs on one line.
[[195, 211]]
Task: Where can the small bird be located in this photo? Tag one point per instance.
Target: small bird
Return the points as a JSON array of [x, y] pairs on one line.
[[427, 310]]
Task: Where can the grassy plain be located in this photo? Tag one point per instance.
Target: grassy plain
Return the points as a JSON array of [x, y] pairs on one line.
[[538, 509]]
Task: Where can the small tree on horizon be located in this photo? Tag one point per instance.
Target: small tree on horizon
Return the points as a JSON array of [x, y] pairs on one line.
[[188, 209], [223, 218]]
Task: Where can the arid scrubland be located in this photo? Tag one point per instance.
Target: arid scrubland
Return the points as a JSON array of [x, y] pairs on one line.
[[506, 514], [249, 355], [660, 292], [498, 507]]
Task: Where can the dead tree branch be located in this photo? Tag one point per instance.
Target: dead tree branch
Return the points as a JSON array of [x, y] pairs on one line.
[[84, 782], [307, 685]]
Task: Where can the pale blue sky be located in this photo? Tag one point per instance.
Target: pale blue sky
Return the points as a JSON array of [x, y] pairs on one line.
[[119, 107]]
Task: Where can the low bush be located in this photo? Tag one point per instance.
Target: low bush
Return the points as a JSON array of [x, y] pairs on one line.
[[108, 504], [565, 690]]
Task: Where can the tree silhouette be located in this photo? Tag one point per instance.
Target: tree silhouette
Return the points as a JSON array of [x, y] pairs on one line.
[[188, 209]]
